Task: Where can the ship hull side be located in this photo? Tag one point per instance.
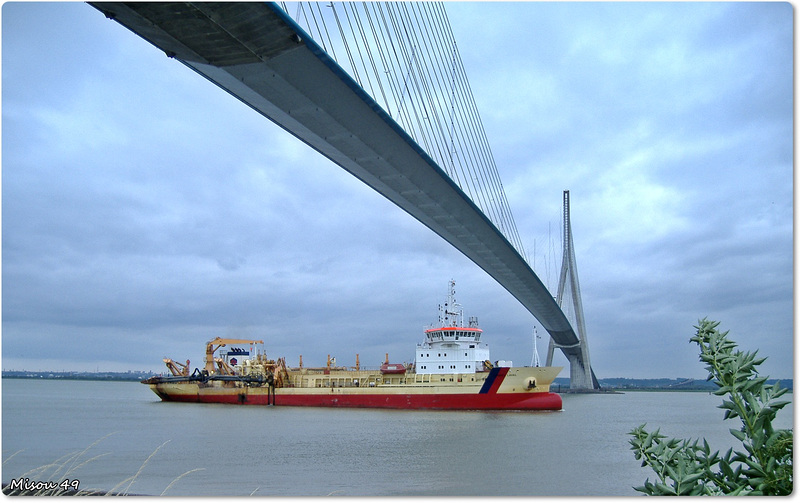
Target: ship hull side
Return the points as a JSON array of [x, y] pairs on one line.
[[459, 401], [361, 398]]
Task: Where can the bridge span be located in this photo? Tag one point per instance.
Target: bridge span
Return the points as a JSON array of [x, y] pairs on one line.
[[257, 53]]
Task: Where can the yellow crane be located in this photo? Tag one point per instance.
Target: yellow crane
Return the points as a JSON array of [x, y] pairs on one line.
[[213, 345], [177, 369]]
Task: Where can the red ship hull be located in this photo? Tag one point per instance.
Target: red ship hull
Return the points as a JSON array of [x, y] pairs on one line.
[[456, 401]]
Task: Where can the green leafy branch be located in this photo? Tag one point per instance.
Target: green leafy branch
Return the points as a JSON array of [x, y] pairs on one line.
[[763, 467]]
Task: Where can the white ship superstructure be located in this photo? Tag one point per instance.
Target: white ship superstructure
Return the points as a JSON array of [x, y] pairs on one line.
[[451, 347]]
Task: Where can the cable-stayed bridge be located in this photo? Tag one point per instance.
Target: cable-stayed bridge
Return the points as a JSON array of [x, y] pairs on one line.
[[405, 56], [417, 139]]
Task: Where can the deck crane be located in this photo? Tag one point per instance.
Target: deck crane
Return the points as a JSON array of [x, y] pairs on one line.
[[215, 344], [177, 369]]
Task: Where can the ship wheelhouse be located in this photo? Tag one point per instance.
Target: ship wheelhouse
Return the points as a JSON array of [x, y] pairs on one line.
[[451, 347]]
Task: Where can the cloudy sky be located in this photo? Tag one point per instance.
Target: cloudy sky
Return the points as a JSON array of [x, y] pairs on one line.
[[145, 211]]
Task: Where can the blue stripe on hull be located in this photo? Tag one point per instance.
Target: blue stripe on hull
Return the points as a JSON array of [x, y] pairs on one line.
[[490, 380]]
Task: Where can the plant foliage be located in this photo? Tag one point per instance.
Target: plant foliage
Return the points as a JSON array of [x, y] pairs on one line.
[[762, 468]]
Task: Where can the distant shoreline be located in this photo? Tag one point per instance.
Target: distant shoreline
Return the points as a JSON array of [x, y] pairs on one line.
[[663, 384], [561, 384], [132, 376]]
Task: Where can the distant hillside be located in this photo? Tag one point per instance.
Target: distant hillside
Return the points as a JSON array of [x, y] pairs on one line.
[[663, 384]]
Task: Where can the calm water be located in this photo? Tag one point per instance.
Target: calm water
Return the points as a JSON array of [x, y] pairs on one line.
[[580, 451]]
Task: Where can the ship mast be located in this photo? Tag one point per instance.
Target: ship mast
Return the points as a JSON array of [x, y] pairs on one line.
[[451, 315], [535, 360]]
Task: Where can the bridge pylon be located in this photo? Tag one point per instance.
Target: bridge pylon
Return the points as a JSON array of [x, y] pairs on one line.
[[581, 375]]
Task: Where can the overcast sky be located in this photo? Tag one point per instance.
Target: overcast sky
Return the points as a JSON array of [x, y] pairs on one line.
[[145, 211]]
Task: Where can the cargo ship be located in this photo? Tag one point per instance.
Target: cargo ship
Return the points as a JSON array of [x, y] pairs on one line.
[[452, 370]]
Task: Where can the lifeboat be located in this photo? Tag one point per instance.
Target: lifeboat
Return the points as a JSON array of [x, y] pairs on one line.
[[393, 368]]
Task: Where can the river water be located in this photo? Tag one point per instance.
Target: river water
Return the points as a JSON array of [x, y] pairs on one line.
[[285, 451]]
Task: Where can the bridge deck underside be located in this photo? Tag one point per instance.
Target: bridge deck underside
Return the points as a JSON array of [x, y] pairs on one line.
[[260, 56]]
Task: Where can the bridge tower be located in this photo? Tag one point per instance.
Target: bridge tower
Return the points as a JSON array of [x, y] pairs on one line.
[[581, 375]]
